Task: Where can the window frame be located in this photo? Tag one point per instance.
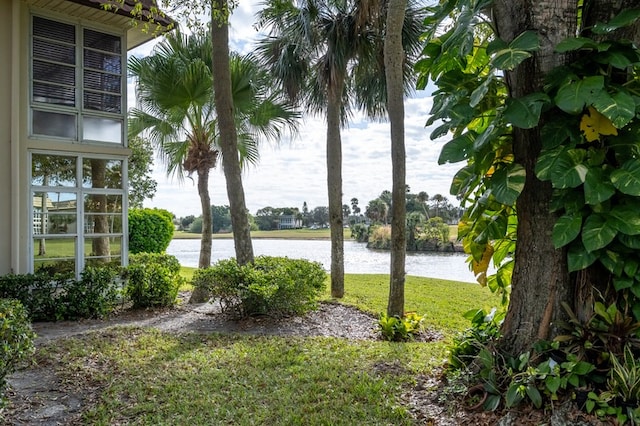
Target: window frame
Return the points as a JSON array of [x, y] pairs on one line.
[[81, 235], [79, 112]]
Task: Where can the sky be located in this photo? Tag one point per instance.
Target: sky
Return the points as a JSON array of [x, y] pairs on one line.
[[293, 171]]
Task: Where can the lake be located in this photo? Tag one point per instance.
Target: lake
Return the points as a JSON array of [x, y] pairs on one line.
[[358, 259]]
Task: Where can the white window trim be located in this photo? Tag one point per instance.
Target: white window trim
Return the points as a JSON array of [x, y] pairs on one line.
[[79, 110], [80, 191]]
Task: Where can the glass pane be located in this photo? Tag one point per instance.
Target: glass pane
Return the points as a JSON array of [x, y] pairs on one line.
[[53, 94], [102, 247], [102, 102], [100, 173], [52, 51], [54, 73], [53, 30], [46, 249], [53, 267], [103, 61], [102, 129], [101, 81], [54, 124], [109, 223], [102, 41], [99, 203], [54, 213], [53, 170]]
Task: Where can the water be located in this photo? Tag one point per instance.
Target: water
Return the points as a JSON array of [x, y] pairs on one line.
[[358, 259]]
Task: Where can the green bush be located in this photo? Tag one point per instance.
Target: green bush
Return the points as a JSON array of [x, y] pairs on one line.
[[150, 230], [95, 295], [153, 279], [16, 339], [276, 286], [60, 297]]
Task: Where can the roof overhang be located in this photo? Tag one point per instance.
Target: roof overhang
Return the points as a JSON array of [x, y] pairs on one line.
[[149, 23]]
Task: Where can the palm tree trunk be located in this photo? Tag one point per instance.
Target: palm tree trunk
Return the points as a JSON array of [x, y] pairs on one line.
[[228, 136], [334, 187], [199, 294], [393, 57]]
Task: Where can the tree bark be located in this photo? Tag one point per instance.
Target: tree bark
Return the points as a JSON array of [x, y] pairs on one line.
[[200, 295], [100, 245], [393, 61], [540, 281], [228, 136], [334, 188]]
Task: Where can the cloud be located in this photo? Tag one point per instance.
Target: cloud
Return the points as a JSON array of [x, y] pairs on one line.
[[294, 170]]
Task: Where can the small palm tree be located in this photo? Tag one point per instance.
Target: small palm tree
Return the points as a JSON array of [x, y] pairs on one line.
[[176, 110]]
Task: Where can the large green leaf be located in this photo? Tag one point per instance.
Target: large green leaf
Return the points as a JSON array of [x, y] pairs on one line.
[[579, 258], [457, 149], [547, 163], [623, 19], [597, 233], [613, 261], [620, 107], [570, 171], [566, 229], [627, 178], [626, 218], [575, 43], [631, 267], [525, 112], [507, 183], [462, 180], [508, 59], [575, 94], [479, 93], [631, 241], [597, 186], [527, 41]]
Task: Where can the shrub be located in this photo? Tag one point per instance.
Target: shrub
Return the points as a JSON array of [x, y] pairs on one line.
[[150, 230], [16, 339], [58, 297], [95, 295], [153, 279], [396, 329], [196, 226], [380, 237], [276, 286]]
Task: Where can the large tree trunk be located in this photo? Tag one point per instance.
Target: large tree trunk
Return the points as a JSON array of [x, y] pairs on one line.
[[228, 136], [334, 188], [541, 281], [100, 245], [393, 59]]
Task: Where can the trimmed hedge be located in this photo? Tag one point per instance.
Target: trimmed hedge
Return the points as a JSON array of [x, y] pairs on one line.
[[150, 230], [276, 286]]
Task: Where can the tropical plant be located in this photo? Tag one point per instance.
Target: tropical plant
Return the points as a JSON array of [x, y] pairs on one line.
[[544, 124], [307, 53], [175, 93], [396, 328]]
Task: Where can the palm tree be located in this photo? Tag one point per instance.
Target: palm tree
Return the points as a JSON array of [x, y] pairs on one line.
[[393, 61], [176, 109], [327, 54], [423, 197]]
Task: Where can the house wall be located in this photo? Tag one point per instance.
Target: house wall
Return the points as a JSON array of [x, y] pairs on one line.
[[5, 134]]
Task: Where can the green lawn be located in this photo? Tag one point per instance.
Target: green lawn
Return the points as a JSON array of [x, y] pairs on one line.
[[148, 377]]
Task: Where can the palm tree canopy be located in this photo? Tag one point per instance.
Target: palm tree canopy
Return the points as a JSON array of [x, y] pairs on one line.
[[175, 104], [313, 46]]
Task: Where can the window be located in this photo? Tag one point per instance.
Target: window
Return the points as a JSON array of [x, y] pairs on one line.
[[77, 211], [76, 83]]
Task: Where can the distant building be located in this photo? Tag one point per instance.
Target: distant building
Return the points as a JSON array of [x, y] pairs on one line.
[[289, 221]]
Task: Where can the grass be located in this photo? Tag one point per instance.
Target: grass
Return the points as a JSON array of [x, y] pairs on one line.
[[156, 378], [148, 377]]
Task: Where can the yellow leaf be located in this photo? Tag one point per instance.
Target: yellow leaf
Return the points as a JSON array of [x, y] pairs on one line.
[[480, 267], [595, 124]]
